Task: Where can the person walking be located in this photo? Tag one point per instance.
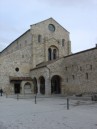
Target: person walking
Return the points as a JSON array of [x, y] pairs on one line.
[[1, 91]]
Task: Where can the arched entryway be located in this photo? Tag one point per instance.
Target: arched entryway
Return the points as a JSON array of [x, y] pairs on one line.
[[55, 85], [27, 88], [35, 86], [17, 87], [42, 85]]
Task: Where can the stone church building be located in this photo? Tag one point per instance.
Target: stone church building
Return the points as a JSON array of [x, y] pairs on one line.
[[40, 61]]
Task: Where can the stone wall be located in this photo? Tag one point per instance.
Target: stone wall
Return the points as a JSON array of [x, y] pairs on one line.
[[51, 69], [26, 51], [49, 38], [16, 55], [80, 72]]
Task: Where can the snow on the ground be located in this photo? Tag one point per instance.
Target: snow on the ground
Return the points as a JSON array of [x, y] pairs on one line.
[[48, 113]]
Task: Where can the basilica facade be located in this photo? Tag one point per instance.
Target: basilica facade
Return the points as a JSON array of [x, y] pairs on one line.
[[40, 61]]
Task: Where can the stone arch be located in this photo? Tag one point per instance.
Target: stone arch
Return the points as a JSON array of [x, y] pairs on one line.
[[56, 84], [35, 85], [27, 88], [42, 85]]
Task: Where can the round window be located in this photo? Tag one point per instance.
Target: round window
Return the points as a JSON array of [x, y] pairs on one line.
[[16, 69], [51, 27]]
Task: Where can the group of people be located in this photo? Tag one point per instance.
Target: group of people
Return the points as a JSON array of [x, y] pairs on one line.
[[1, 92]]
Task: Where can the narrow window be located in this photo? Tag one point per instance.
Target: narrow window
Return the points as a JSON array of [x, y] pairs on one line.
[[66, 68], [90, 67], [54, 54], [80, 68], [67, 79], [49, 54], [25, 42], [39, 38], [73, 77], [87, 76], [22, 56], [20, 45], [63, 41]]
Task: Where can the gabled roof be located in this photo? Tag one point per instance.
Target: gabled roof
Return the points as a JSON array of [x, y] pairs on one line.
[[49, 19], [45, 64], [29, 30], [15, 40]]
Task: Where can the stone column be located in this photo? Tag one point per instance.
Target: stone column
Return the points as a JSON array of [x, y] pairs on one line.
[[22, 87], [12, 88], [52, 54], [38, 86], [47, 86]]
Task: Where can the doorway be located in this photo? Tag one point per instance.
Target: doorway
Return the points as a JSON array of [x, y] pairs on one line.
[[17, 88], [42, 85], [55, 85], [27, 88]]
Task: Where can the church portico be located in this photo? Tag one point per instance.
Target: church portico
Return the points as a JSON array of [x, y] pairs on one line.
[[48, 86], [21, 85], [41, 80], [47, 81], [43, 86]]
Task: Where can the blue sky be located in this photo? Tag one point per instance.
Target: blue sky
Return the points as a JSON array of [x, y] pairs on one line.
[[79, 17]]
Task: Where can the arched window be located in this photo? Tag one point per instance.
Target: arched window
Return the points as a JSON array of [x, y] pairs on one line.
[[39, 38], [49, 54], [42, 85], [87, 76], [63, 41], [54, 54]]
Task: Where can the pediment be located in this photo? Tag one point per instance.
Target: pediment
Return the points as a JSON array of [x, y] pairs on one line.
[[52, 40], [49, 21]]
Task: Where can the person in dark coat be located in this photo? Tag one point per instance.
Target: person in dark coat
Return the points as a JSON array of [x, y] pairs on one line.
[[1, 91]]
